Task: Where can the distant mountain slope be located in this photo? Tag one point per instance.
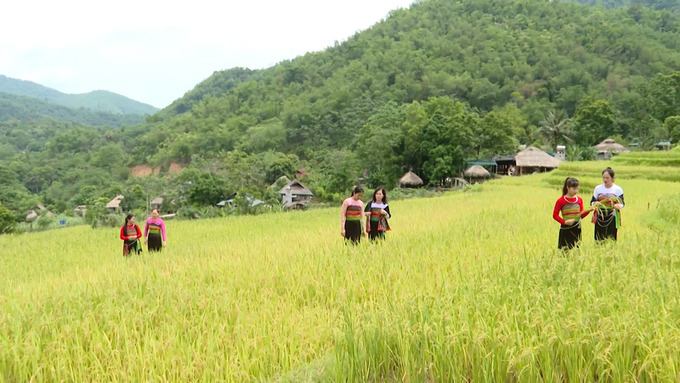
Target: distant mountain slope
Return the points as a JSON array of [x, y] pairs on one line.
[[13, 107], [98, 100]]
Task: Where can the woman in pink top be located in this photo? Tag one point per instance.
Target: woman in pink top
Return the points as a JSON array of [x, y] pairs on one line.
[[154, 232], [352, 224]]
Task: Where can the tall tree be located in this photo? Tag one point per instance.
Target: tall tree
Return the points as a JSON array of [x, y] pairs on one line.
[[556, 129], [594, 121]]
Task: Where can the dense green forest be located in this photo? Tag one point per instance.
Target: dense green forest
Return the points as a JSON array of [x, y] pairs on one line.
[[671, 5], [23, 108], [425, 90], [98, 101]]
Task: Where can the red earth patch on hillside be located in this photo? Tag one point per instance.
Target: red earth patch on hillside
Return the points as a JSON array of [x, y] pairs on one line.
[[145, 170]]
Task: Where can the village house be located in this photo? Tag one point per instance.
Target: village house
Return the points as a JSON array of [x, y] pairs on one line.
[[157, 203], [114, 205], [410, 180], [295, 195], [476, 174], [534, 160], [80, 210], [609, 148], [36, 212]]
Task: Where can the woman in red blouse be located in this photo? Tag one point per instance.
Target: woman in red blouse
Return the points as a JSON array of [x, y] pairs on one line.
[[130, 233], [570, 205]]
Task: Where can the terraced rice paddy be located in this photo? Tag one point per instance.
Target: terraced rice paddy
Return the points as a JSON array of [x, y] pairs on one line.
[[468, 287]]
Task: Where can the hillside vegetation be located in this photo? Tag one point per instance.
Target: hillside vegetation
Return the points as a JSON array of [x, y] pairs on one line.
[[670, 5], [424, 90]]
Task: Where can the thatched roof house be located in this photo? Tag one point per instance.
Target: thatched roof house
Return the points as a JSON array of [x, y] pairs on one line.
[[296, 189], [295, 193], [35, 213], [114, 204], [80, 209], [609, 147], [157, 202], [476, 171], [410, 179], [533, 159]]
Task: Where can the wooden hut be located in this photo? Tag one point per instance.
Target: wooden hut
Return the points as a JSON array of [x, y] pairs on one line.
[[410, 180], [608, 148], [532, 160], [664, 145], [36, 212], [488, 163], [157, 203], [295, 194], [476, 174], [114, 204], [80, 210]]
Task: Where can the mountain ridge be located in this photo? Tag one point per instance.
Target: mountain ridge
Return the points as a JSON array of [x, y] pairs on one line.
[[96, 100], [23, 108]]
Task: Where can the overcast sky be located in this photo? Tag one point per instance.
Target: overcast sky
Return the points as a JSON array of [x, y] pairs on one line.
[[154, 52]]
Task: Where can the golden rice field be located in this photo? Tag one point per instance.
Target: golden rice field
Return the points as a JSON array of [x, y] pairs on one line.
[[469, 287]]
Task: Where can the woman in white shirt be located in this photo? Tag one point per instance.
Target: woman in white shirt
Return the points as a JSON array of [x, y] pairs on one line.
[[377, 213], [608, 219]]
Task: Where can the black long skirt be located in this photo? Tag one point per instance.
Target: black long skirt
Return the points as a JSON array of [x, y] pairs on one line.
[[605, 226], [130, 247], [155, 242], [570, 236], [374, 234], [353, 231]]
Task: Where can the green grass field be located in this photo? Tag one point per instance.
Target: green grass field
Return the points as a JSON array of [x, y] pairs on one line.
[[468, 287]]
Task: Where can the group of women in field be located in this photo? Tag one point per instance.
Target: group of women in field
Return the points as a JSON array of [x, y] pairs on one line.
[[154, 234], [606, 205], [376, 212]]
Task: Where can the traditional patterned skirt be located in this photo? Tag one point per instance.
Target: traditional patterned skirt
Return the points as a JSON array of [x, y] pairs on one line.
[[131, 247], [374, 233], [606, 226], [570, 236], [155, 242], [353, 231]]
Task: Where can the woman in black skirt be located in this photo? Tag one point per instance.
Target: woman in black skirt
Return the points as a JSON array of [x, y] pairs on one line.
[[571, 207], [154, 232], [352, 223], [608, 197]]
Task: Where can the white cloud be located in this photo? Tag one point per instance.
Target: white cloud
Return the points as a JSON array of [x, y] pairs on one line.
[[154, 51]]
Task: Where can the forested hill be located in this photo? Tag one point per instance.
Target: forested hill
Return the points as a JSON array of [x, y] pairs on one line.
[[97, 101], [671, 5], [216, 85], [528, 55], [23, 108], [425, 90]]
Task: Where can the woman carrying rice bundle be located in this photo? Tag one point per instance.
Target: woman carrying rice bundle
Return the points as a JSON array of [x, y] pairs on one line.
[[608, 200], [351, 222], [571, 207], [130, 234]]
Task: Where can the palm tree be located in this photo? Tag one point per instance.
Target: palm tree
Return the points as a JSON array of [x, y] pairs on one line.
[[556, 129]]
